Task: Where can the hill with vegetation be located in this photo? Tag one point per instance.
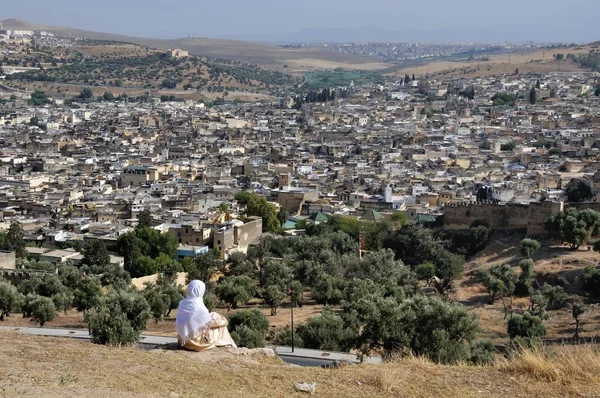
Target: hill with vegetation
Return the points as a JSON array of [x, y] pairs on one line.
[[127, 66], [297, 59]]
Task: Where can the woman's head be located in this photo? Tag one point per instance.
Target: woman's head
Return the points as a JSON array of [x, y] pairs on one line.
[[196, 289]]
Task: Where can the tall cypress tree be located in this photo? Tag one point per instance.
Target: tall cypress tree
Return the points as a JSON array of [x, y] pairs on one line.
[[532, 96]]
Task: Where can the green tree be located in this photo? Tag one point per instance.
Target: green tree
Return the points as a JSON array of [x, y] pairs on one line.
[[108, 96], [296, 293], [205, 266], [590, 281], [326, 290], [579, 191], [597, 92], [501, 281], [578, 310], [118, 318], [152, 242], [95, 254], [14, 239], [528, 247], [273, 296], [129, 248], [62, 301], [158, 301], [574, 227], [537, 84], [425, 271], [283, 216], [235, 289], [399, 219], [527, 274], [239, 264], [144, 219], [532, 96], [43, 310], [39, 98], [509, 146], [86, 94], [87, 292], [9, 299], [258, 206], [448, 267], [556, 296]]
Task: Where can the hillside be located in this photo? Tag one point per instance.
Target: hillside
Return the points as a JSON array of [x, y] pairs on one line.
[[298, 60], [535, 61], [124, 68], [61, 367]]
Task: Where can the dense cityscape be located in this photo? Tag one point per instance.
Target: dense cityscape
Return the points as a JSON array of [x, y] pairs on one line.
[[379, 217]]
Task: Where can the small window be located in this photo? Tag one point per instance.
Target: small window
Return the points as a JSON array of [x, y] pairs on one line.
[[218, 242], [197, 240]]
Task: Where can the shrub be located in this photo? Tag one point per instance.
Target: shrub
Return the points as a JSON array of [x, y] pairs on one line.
[[284, 338], [556, 296], [590, 281], [118, 318], [324, 332], [248, 328], [246, 337], [526, 330], [482, 352], [421, 325]]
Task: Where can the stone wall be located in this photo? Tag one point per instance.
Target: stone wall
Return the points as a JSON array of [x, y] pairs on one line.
[[509, 216], [248, 233]]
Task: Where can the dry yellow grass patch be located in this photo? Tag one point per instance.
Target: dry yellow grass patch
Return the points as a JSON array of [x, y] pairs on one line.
[[567, 366], [36, 366]]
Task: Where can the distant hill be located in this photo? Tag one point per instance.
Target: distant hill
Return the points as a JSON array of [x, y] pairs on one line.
[[426, 35], [298, 60]]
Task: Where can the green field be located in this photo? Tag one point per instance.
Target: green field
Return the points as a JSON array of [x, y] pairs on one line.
[[337, 77]]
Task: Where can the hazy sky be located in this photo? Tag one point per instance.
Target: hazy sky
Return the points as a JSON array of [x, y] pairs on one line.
[[529, 19]]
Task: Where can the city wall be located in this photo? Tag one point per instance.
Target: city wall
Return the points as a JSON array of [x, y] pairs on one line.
[[528, 218]]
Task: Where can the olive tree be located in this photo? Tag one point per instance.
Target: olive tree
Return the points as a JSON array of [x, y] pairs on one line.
[[528, 247], [43, 310], [118, 318], [10, 299], [235, 289], [578, 310]]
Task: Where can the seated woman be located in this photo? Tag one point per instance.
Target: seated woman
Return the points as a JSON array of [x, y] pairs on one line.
[[198, 329]]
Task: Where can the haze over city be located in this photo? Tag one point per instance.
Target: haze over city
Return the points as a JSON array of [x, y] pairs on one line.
[[331, 20]]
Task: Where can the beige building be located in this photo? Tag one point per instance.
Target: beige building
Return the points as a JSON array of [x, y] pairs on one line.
[[177, 53]]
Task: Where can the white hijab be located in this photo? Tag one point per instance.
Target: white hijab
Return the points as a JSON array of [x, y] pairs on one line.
[[192, 314]]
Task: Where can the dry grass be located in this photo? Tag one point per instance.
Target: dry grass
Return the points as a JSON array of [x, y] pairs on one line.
[[61, 367], [567, 366]]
